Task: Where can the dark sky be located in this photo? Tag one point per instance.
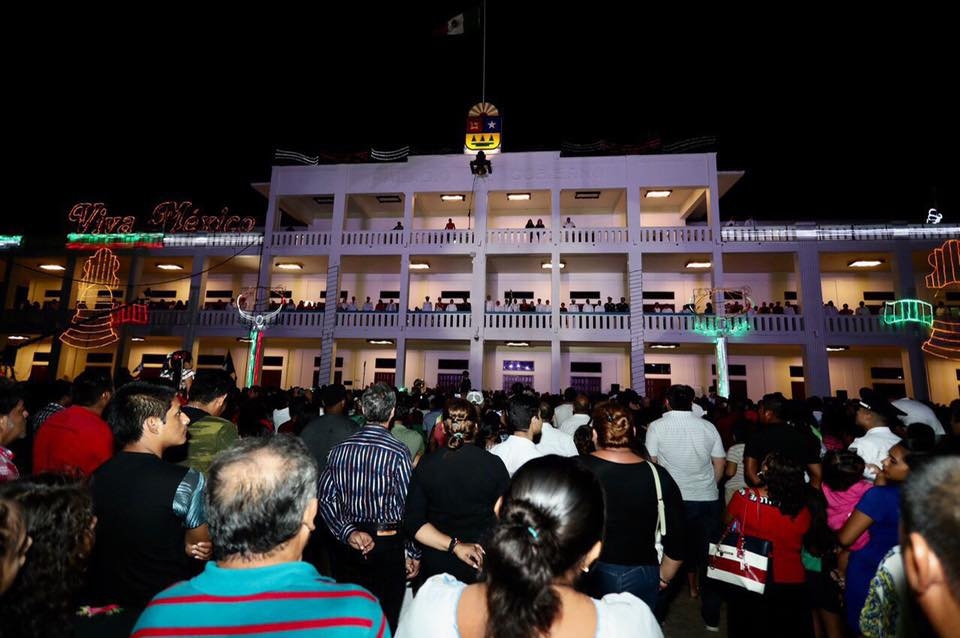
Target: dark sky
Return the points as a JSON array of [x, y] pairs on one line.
[[831, 119]]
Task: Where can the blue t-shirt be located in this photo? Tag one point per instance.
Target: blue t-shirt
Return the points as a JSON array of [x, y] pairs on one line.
[[882, 504]]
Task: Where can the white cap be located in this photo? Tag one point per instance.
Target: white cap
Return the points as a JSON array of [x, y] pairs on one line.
[[475, 397]]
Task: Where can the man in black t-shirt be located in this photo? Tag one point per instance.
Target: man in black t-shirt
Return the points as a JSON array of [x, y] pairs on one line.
[[776, 435]]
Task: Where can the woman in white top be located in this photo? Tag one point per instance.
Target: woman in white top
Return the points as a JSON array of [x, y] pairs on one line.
[[551, 523]]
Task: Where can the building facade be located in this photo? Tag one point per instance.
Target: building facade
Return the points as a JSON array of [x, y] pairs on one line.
[[541, 230]]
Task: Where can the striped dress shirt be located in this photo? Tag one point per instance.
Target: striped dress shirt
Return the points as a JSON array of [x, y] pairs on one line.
[[366, 481]]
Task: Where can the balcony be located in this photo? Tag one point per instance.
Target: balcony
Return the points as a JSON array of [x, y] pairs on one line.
[[297, 239], [836, 232], [370, 238], [441, 237], [519, 320], [519, 236], [367, 320], [590, 236], [676, 234], [848, 325], [433, 320]]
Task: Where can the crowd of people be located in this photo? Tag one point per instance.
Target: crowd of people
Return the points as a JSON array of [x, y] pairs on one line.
[[155, 509]]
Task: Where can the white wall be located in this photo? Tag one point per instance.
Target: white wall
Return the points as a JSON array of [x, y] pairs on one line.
[[651, 219], [683, 286], [608, 284], [942, 376], [765, 374], [615, 366], [302, 287], [233, 282], [24, 361], [493, 366], [422, 364], [848, 289], [852, 372], [150, 279]]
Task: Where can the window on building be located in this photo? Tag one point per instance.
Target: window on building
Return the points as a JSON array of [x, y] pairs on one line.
[[585, 385], [510, 379]]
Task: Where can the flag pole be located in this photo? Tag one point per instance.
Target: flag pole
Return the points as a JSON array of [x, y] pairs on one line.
[[483, 67]]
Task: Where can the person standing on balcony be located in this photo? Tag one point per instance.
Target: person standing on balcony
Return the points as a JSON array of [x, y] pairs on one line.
[[863, 310], [489, 306], [451, 307], [788, 309], [427, 305], [569, 223], [368, 305], [609, 306], [623, 306], [399, 225], [450, 225]]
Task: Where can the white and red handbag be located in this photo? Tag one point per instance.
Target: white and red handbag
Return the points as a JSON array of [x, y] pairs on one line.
[[740, 559]]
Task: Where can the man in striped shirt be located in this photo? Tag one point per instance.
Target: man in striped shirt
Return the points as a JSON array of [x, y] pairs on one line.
[[261, 503], [363, 494]]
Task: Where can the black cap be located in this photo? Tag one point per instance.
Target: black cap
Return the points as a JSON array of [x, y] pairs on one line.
[[875, 402]]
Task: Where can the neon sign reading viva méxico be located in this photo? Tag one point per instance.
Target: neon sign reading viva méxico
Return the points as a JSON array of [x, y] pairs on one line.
[[168, 217]]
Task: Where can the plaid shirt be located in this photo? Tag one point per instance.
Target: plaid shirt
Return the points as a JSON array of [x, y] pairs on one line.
[[8, 471]]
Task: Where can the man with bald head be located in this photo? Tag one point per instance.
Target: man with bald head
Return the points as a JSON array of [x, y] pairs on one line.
[[261, 501]]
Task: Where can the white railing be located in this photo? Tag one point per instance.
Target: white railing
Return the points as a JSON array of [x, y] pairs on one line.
[[838, 232], [300, 319], [219, 318], [373, 238], [594, 235], [440, 237], [676, 234], [765, 324], [169, 317], [858, 324], [519, 236], [519, 320], [296, 239], [366, 319], [439, 320], [595, 320]]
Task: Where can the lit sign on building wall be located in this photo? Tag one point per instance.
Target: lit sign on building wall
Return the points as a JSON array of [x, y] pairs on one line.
[[167, 217]]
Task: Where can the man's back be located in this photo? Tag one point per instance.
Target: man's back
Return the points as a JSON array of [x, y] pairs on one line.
[[289, 599], [324, 432], [685, 445], [72, 439]]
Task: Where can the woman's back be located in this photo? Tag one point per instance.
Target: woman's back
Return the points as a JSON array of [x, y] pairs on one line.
[[762, 518], [447, 608]]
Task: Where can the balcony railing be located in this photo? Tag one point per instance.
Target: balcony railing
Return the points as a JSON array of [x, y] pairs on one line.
[[441, 237], [519, 320], [712, 324], [595, 320], [297, 239], [373, 238], [594, 235], [837, 232], [858, 325], [367, 320], [676, 234], [439, 320], [519, 236]]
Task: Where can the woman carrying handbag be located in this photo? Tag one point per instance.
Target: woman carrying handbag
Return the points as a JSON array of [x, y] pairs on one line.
[[775, 512]]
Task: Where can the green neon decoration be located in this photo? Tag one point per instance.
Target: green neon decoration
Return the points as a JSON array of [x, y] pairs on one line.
[[908, 311], [10, 240], [115, 240], [723, 374], [711, 326]]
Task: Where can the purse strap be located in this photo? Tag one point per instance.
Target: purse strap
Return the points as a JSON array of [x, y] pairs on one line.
[[661, 527]]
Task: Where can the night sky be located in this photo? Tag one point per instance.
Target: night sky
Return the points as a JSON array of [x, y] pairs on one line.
[[831, 120]]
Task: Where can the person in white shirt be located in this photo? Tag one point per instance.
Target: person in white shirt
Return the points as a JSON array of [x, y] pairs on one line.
[[427, 306], [588, 307], [917, 412], [550, 531], [788, 308], [552, 440], [875, 415], [523, 414], [368, 305], [689, 448], [451, 307], [573, 307], [565, 410], [391, 307], [569, 223], [489, 305], [352, 306], [862, 310], [580, 416]]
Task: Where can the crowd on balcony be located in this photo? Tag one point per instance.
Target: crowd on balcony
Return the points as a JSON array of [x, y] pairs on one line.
[[213, 492]]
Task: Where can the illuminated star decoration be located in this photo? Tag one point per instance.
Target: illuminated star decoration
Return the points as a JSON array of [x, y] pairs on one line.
[[91, 326]]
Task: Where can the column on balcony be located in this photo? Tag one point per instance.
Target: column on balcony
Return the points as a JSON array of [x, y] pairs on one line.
[[400, 367], [904, 284], [325, 373], [478, 285], [638, 380], [816, 363], [556, 367], [555, 272], [198, 283], [56, 346], [130, 296]]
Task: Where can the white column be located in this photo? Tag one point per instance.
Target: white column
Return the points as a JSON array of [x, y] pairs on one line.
[[816, 363], [905, 286]]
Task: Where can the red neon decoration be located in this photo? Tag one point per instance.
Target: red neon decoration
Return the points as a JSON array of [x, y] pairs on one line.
[[93, 218], [944, 341], [91, 326], [945, 262], [183, 217], [135, 314]]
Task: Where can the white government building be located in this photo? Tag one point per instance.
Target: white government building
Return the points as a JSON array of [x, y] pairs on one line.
[[331, 232]]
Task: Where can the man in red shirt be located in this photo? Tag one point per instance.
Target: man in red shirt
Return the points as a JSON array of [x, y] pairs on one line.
[[77, 439]]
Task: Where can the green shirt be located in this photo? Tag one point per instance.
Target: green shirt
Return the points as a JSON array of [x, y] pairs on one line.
[[206, 437], [410, 438]]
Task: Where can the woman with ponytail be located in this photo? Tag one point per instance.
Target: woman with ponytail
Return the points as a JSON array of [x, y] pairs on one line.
[[550, 530], [450, 501]]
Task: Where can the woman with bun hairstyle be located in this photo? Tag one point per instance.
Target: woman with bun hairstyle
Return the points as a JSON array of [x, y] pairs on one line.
[[629, 561], [551, 522], [450, 502]]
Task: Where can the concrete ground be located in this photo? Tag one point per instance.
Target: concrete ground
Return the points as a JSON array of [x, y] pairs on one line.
[[683, 619]]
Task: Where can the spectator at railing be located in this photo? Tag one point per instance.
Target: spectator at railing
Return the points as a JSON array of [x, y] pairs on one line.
[[569, 223], [488, 305], [623, 306], [563, 307], [588, 306], [427, 306], [352, 305], [862, 310], [451, 307], [392, 306], [789, 309], [609, 306], [708, 309], [777, 309], [574, 306], [846, 310], [368, 305]]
